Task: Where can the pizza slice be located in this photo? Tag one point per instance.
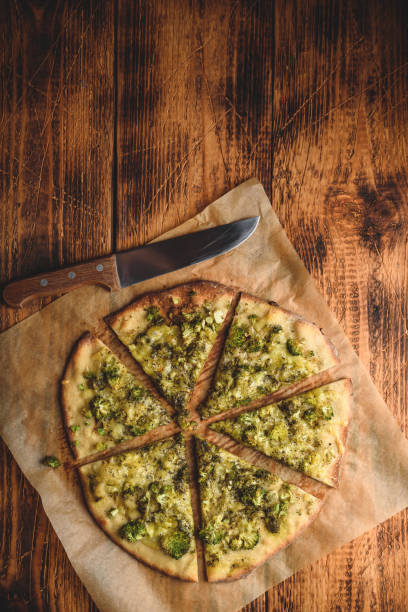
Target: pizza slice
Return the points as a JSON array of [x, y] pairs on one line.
[[267, 348], [247, 513], [171, 333], [306, 432], [141, 499], [102, 402]]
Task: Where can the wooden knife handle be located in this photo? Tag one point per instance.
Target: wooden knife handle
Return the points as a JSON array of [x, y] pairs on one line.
[[100, 271]]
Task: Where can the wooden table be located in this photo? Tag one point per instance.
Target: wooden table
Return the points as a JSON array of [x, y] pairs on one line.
[[120, 119]]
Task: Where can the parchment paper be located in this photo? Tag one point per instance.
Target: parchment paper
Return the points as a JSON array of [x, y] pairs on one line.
[[32, 357]]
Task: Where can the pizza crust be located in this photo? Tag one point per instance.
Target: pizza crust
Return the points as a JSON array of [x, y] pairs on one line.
[[268, 545], [310, 331], [345, 400], [128, 322], [131, 318], [173, 380], [73, 400], [185, 568]]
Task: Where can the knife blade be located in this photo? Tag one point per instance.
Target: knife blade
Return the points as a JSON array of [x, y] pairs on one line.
[[130, 267]]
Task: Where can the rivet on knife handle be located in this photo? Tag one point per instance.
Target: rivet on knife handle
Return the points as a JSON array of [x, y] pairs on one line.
[[101, 271]]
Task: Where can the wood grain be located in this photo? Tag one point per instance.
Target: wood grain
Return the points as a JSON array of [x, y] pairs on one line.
[[100, 271], [56, 134], [187, 99]]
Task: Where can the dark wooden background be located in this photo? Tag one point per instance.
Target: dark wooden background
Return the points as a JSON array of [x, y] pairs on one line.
[[122, 118]]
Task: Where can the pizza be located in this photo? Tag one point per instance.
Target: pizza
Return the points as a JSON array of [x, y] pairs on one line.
[[171, 333], [267, 348], [102, 402], [247, 513], [141, 499], [307, 432], [141, 496]]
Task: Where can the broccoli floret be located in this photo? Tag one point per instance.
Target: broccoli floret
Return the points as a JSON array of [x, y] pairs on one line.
[[245, 541], [137, 431], [253, 345], [153, 315], [251, 494], [211, 534], [130, 490], [111, 372], [246, 419], [293, 347], [279, 432], [272, 523], [100, 407], [311, 417], [132, 531], [176, 543], [188, 333], [51, 461], [236, 336], [95, 381], [280, 509], [136, 393]]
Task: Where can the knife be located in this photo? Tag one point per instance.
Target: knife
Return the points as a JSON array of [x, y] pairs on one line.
[[130, 267]]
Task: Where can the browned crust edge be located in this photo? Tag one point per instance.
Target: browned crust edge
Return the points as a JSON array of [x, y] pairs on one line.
[[86, 338], [161, 299], [101, 524], [335, 471], [205, 290], [330, 345], [246, 571]]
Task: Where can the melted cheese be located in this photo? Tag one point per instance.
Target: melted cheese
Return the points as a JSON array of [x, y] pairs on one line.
[[267, 348], [108, 404], [246, 512], [173, 347], [303, 432], [149, 485]]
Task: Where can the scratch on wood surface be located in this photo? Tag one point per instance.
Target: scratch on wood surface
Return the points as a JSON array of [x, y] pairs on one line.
[[184, 63], [316, 91], [33, 225], [304, 171], [241, 121], [34, 522], [227, 172], [183, 162], [65, 198], [67, 74], [72, 14], [356, 95]]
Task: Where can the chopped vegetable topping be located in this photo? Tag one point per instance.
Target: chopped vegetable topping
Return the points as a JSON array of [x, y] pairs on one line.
[[51, 461], [149, 490], [121, 406], [260, 356], [173, 348], [133, 531], [302, 432], [176, 544]]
